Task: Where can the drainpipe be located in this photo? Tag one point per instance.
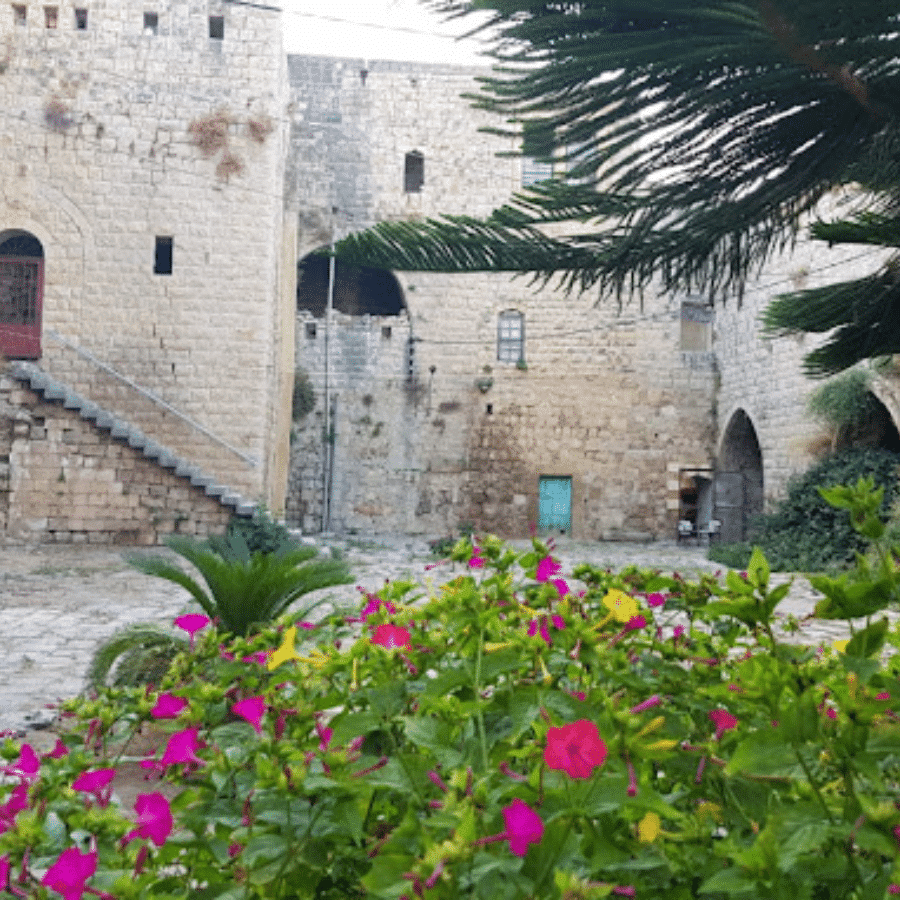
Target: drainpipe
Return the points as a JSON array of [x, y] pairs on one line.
[[329, 442]]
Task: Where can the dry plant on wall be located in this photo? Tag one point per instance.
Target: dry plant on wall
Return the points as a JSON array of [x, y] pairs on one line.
[[211, 135], [57, 115]]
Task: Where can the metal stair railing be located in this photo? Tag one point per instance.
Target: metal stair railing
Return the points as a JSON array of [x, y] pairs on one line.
[[251, 461]]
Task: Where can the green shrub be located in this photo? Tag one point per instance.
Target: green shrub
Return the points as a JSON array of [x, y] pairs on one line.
[[260, 533], [507, 736], [804, 533]]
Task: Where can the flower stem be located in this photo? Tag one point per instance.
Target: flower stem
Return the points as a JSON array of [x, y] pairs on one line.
[[479, 716]]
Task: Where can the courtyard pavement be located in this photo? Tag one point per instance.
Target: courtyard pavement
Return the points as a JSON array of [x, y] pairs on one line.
[[58, 602]]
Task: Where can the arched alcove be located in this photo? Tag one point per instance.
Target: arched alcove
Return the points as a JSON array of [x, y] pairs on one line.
[[876, 429], [21, 294], [739, 478], [358, 290]]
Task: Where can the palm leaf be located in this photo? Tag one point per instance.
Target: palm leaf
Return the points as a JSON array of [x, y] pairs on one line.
[[138, 637]]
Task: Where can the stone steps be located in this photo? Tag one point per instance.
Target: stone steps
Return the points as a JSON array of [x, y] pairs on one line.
[[51, 389]]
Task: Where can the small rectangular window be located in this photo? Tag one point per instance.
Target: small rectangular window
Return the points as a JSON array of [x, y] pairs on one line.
[[696, 328], [151, 23], [20, 14], [413, 172], [386, 331], [310, 330], [217, 28], [81, 19], [51, 16], [162, 261], [511, 337]]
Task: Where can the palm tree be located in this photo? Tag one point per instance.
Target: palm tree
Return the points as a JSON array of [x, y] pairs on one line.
[[690, 140]]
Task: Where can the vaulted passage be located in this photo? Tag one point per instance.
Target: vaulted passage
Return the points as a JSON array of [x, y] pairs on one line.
[[21, 294], [358, 290], [739, 478]]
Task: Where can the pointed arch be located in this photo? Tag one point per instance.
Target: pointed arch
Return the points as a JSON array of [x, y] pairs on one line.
[[739, 477]]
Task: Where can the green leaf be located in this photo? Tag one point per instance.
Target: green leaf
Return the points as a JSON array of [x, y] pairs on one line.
[[764, 753], [385, 881], [729, 881], [868, 642], [758, 570]]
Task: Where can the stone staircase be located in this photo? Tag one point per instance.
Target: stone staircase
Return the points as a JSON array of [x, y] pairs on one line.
[[52, 390]]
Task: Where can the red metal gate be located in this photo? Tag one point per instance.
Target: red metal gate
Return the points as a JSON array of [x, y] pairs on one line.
[[21, 295]]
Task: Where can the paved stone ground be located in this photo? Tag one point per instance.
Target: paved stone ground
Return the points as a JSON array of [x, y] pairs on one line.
[[58, 602]]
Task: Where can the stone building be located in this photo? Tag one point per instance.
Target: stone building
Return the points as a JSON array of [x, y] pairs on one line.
[[146, 265], [169, 181]]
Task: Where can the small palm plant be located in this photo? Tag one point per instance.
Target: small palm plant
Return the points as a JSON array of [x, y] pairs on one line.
[[240, 589], [245, 588]]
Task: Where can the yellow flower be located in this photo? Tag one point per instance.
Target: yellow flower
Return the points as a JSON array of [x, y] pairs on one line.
[[712, 810], [841, 646], [664, 744], [649, 828], [622, 608], [286, 651], [316, 658]]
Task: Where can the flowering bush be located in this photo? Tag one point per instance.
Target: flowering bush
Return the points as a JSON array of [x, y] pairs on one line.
[[507, 735]]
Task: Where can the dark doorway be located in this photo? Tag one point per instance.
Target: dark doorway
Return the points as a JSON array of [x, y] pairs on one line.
[[358, 290], [21, 294], [739, 478]]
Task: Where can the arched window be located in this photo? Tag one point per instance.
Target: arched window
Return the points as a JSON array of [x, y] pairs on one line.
[[21, 294], [511, 337]]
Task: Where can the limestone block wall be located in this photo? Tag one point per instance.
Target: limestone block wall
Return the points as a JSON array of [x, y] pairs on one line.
[[421, 441], [62, 480], [98, 161], [763, 377]]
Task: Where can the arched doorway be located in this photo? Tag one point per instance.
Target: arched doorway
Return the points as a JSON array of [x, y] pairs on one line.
[[739, 478], [358, 290], [21, 294]]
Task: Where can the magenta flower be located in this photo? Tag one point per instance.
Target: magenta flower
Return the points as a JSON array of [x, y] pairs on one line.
[[59, 750], [26, 766], [654, 600], [547, 568], [523, 826], [192, 623], [562, 587], [477, 560], [98, 783], [154, 819], [374, 605], [67, 876], [251, 709], [649, 703], [18, 800], [181, 748], [392, 637], [168, 706], [723, 720], [635, 623], [261, 657], [4, 871], [324, 736], [576, 748]]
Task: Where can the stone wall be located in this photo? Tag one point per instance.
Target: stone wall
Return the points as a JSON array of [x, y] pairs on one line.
[[63, 480], [421, 441], [99, 160]]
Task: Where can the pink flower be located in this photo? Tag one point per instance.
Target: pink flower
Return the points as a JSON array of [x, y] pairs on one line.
[[477, 560], [4, 871], [26, 766], [654, 600], [168, 706], [192, 623], [723, 720], [154, 819], [649, 703], [391, 637], [324, 736], [18, 800], [562, 588], [59, 750], [374, 605], [98, 783], [181, 748], [884, 695], [536, 626], [576, 748], [635, 623], [523, 826], [261, 657], [251, 709], [69, 873], [547, 568]]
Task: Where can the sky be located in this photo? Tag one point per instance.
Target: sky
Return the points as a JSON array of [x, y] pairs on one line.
[[376, 29]]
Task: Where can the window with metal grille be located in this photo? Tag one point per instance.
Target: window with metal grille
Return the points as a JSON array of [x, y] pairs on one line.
[[51, 16], [21, 295], [151, 23], [81, 16], [20, 14], [511, 337], [413, 172]]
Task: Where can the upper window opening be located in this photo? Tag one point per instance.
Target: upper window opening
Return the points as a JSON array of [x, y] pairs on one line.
[[81, 19], [162, 260], [20, 13], [696, 328], [537, 153], [511, 337], [358, 290], [151, 23], [413, 172], [217, 27], [51, 16]]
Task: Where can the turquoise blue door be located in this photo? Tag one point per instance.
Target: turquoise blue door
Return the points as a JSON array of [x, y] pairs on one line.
[[555, 504]]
